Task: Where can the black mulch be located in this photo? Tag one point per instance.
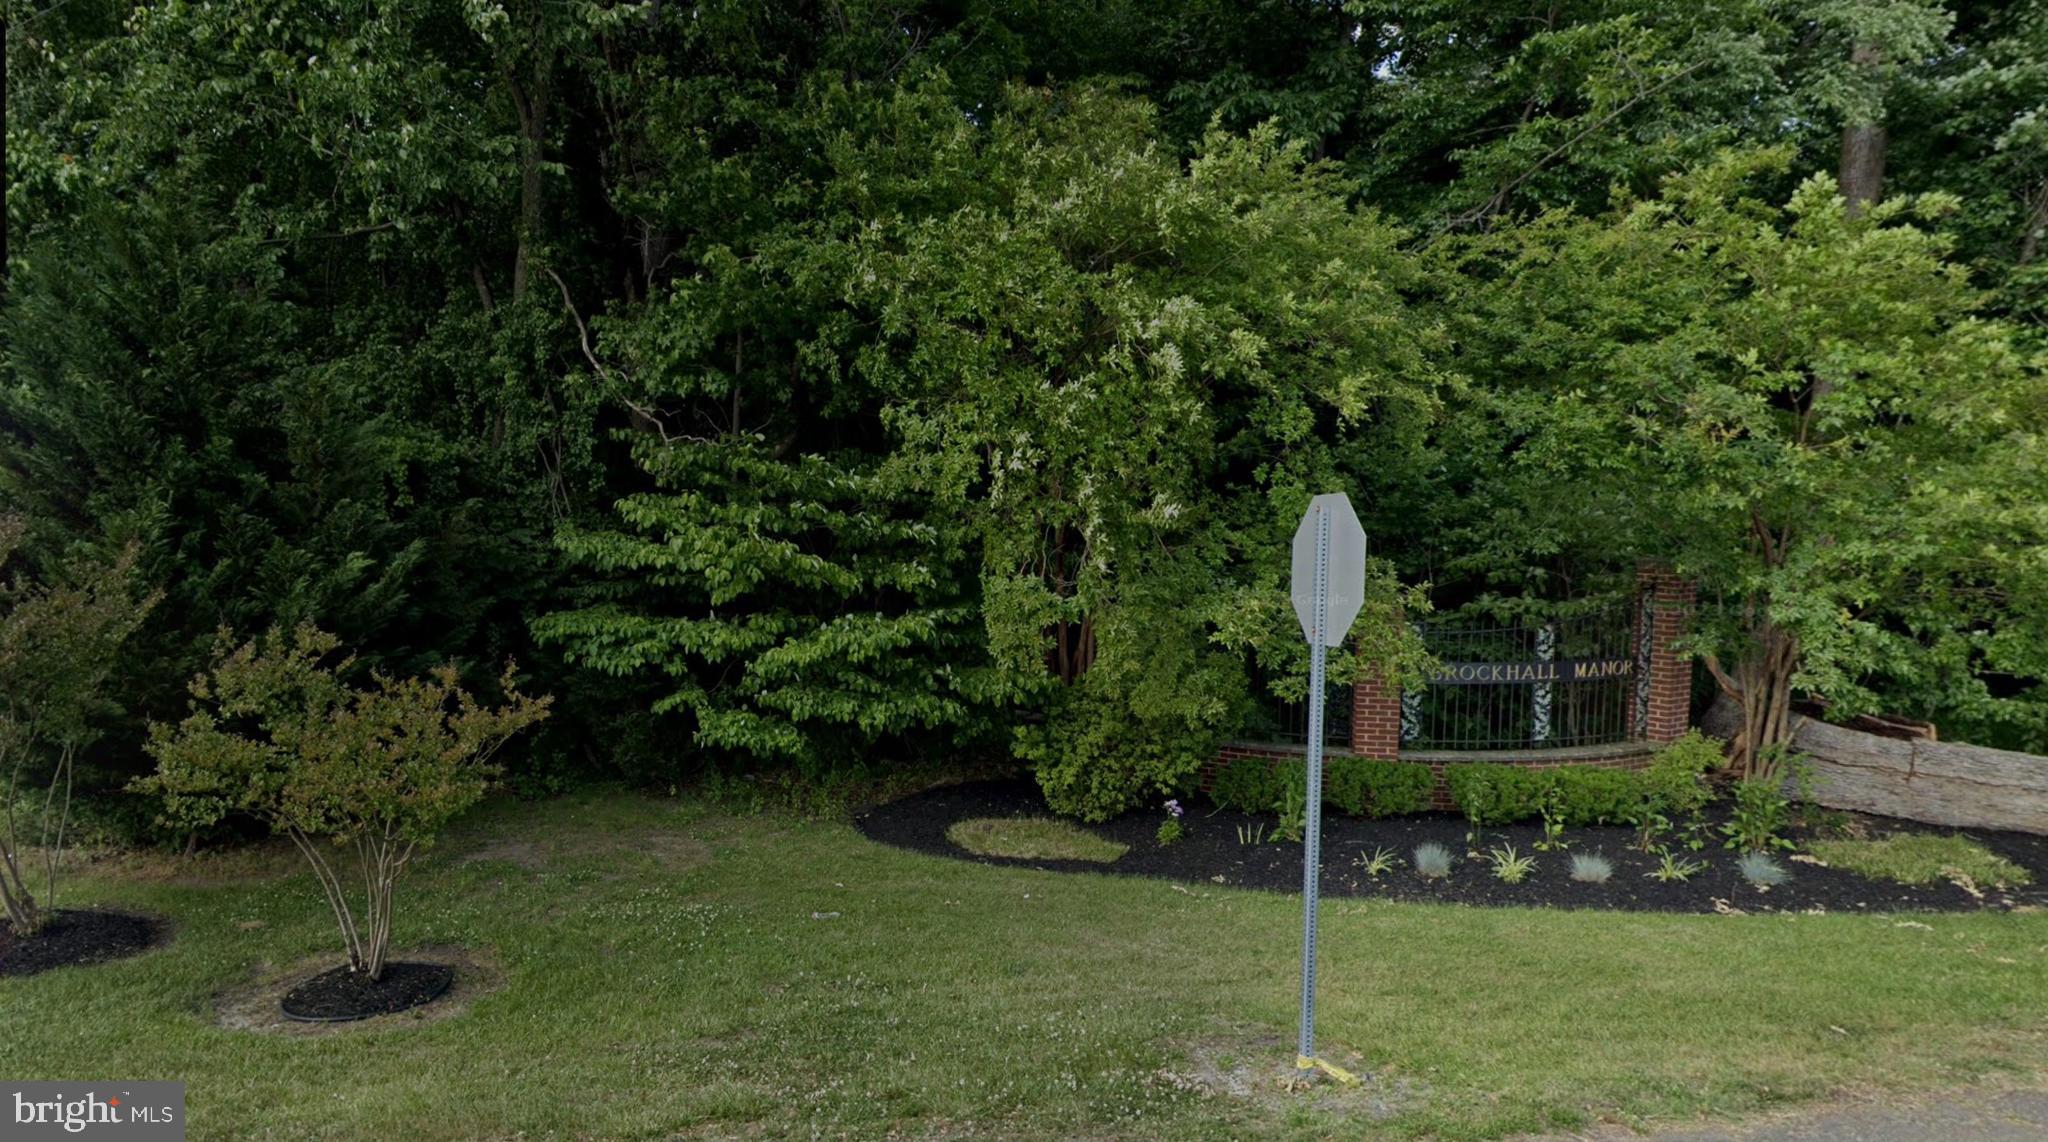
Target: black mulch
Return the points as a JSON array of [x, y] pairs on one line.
[[1211, 852], [339, 995], [79, 936]]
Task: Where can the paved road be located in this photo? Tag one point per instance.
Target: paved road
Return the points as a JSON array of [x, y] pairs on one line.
[[1964, 1116]]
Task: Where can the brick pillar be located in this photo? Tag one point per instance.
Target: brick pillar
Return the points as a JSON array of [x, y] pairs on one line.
[[1375, 718], [1671, 599]]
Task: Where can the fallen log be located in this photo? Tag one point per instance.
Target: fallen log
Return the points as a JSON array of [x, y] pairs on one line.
[[1914, 777]]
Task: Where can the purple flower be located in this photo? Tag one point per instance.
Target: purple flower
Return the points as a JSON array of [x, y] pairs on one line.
[[1173, 809]]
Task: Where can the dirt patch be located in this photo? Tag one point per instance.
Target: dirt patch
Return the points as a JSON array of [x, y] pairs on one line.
[[74, 937], [254, 1005], [1258, 1068]]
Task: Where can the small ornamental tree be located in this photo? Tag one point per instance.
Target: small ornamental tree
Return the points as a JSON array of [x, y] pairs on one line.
[[277, 731], [58, 643]]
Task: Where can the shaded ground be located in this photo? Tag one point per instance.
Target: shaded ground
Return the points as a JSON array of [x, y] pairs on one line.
[[75, 937], [1215, 852]]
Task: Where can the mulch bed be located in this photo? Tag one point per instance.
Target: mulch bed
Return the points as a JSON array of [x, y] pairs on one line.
[[343, 996], [1211, 852], [79, 936]]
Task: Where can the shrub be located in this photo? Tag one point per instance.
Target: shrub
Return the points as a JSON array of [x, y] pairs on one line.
[[1378, 862], [1432, 860], [1496, 794], [1248, 785], [1510, 867], [1760, 870], [1761, 812], [58, 644], [1128, 730], [1492, 794], [1171, 829], [1591, 868], [1368, 787], [1921, 858], [1590, 795], [1675, 784], [279, 733], [1671, 866], [1293, 808]]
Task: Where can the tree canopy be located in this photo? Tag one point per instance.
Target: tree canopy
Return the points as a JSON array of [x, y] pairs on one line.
[[826, 385]]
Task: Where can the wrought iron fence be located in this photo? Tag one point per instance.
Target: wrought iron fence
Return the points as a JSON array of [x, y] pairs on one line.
[[1568, 682], [1280, 721]]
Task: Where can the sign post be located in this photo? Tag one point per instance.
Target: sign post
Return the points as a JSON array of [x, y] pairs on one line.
[[1328, 590]]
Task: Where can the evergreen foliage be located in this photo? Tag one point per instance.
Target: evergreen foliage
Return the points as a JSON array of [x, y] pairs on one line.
[[803, 386]]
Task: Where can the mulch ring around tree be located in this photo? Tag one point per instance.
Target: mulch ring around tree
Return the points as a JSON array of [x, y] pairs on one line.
[[343, 995], [80, 936], [1212, 852], [257, 1004]]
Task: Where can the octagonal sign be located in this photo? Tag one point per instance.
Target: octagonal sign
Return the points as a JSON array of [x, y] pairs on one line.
[[1344, 567]]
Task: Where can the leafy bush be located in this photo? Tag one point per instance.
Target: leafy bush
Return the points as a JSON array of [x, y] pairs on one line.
[[1368, 787], [1171, 829], [1675, 784], [1496, 794], [58, 645], [1760, 814], [1760, 870], [1108, 744], [1492, 794], [278, 732], [1591, 868], [1432, 860], [1248, 785], [1293, 809]]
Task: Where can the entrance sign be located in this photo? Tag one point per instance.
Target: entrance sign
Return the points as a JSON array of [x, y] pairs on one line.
[[1328, 591], [1536, 671]]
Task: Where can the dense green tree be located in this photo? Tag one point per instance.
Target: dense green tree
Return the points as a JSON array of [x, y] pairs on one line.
[[1800, 407], [821, 381]]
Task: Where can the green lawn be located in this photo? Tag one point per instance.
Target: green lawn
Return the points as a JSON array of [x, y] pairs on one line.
[[670, 970]]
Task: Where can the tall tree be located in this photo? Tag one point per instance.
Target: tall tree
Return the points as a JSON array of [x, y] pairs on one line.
[[1804, 409]]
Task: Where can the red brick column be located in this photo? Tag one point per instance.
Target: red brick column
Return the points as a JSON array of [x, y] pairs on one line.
[[1671, 598], [1375, 718]]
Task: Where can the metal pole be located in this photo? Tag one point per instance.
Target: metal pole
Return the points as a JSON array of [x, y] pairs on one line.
[[1312, 832]]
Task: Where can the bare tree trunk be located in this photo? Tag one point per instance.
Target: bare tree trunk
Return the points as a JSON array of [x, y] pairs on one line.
[[58, 803], [532, 107], [1863, 147], [1761, 687], [337, 898], [24, 915], [2037, 223]]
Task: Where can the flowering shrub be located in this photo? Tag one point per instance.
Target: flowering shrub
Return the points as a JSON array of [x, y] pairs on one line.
[[1171, 829]]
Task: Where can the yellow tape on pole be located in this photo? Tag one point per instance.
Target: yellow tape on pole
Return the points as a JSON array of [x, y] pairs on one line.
[[1304, 1063]]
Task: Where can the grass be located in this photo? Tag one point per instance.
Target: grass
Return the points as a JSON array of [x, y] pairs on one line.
[[671, 970], [1922, 858], [1033, 838]]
